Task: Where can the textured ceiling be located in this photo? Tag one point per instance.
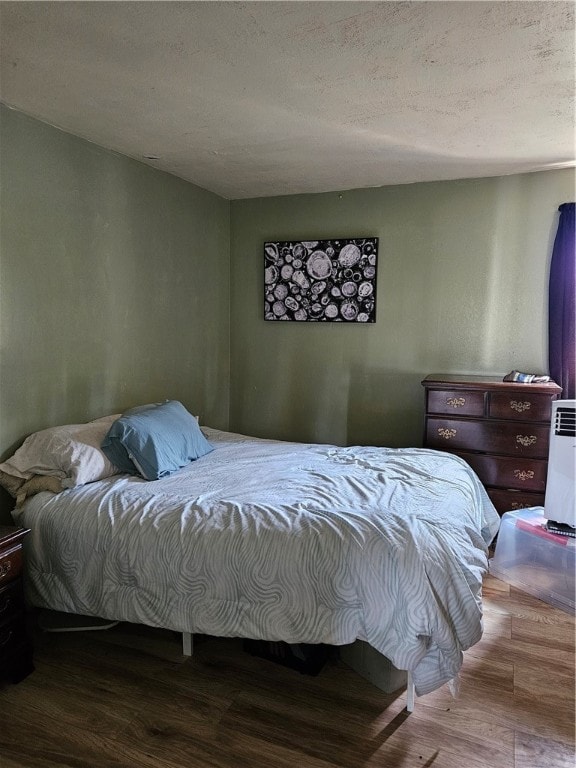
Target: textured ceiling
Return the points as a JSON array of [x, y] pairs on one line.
[[253, 99]]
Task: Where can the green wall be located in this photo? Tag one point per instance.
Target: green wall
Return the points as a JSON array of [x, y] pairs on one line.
[[114, 285], [121, 285], [461, 287]]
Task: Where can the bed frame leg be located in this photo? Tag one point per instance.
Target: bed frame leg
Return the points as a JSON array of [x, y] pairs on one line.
[[410, 693], [187, 643]]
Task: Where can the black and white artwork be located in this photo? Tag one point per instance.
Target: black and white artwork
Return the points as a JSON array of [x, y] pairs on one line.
[[330, 281]]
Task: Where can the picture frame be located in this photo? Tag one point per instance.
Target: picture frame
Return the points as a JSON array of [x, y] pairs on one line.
[[331, 280]]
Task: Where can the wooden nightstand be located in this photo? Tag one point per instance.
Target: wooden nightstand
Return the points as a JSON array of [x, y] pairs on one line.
[[502, 429], [15, 645]]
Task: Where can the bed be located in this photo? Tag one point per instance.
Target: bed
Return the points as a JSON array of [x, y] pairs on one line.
[[278, 541]]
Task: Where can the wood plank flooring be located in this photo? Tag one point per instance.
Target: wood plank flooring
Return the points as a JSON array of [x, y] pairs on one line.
[[126, 697]]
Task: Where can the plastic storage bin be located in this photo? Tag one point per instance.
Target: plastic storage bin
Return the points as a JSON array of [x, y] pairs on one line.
[[534, 560]]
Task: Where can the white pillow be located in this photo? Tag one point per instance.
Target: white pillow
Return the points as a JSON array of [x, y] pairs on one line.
[[71, 453]]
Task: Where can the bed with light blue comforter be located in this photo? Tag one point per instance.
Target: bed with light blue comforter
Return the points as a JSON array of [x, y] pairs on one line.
[[283, 541]]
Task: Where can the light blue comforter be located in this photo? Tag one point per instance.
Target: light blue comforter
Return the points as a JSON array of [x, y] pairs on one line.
[[279, 541]]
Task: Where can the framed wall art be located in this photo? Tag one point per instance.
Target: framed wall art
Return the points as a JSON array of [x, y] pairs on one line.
[[321, 281]]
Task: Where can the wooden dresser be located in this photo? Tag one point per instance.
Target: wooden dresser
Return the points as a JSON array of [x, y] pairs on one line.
[[502, 429], [15, 645]]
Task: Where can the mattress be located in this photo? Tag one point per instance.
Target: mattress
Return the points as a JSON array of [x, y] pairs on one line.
[[280, 541]]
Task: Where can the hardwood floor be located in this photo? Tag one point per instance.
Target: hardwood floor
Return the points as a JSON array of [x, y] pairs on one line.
[[126, 697]]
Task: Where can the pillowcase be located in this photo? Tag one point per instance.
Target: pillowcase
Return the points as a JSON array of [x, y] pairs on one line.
[[70, 453], [155, 440]]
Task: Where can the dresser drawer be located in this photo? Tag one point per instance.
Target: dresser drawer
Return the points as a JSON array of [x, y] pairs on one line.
[[10, 564], [507, 501], [457, 403], [517, 405], [506, 472], [11, 600], [528, 440]]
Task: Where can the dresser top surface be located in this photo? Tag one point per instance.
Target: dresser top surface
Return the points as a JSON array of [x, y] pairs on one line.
[[461, 381], [10, 534]]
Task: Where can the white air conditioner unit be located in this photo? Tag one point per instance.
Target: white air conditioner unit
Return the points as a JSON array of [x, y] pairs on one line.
[[560, 502]]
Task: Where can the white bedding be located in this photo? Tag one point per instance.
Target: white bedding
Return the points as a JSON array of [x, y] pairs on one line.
[[279, 541]]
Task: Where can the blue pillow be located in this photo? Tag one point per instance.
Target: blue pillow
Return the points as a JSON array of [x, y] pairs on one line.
[[155, 440]]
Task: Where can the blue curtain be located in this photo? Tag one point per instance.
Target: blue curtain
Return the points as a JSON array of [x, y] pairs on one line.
[[562, 304]]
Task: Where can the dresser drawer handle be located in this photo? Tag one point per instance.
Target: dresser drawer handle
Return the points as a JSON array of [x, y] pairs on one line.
[[519, 505], [456, 402], [526, 440], [447, 434], [4, 569], [4, 640], [524, 474], [520, 406]]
